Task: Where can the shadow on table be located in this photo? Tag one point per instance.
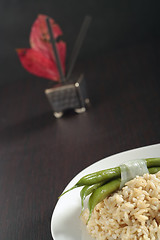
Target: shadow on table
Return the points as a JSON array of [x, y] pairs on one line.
[[18, 130]]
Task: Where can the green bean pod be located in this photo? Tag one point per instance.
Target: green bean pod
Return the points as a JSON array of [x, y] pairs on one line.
[[153, 170], [75, 186], [111, 173], [96, 177], [101, 193], [153, 162], [108, 175], [87, 190]]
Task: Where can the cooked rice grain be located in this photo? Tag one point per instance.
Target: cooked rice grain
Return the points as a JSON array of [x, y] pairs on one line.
[[130, 213]]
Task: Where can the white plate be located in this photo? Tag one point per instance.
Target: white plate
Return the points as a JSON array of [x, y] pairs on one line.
[[65, 223]]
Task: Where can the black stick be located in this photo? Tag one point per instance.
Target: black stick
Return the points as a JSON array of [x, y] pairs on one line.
[[53, 42], [78, 44]]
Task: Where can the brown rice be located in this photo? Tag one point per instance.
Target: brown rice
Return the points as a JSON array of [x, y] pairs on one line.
[[130, 213]]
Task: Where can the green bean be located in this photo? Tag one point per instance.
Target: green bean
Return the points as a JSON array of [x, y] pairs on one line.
[[153, 170], [101, 193], [99, 176], [87, 190], [75, 186], [108, 174], [153, 162], [96, 177]]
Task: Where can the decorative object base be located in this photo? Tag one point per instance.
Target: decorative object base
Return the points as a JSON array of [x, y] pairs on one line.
[[70, 95]]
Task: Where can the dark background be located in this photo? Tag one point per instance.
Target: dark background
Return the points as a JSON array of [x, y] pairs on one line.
[[39, 154], [115, 24]]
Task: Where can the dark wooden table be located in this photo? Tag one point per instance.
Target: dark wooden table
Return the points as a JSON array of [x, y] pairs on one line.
[[39, 154]]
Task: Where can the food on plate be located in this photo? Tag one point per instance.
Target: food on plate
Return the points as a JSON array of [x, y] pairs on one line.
[[131, 213], [101, 184]]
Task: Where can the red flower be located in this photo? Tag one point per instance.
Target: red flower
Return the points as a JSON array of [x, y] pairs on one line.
[[40, 59]]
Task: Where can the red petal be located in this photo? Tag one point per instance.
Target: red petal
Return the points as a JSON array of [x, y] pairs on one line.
[[39, 39], [35, 63]]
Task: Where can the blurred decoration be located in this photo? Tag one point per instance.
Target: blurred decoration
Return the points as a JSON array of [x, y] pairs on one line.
[[39, 59], [46, 58]]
